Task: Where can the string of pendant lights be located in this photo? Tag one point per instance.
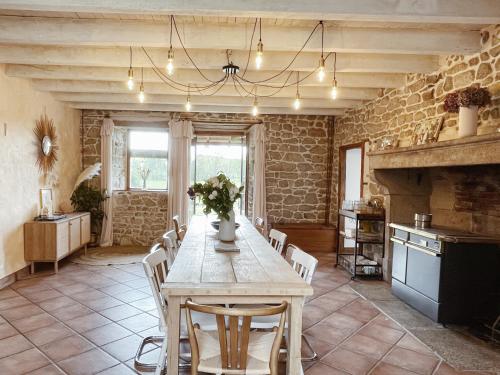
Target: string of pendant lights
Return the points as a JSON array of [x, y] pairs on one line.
[[231, 72]]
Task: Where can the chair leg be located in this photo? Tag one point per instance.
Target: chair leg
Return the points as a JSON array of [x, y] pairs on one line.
[[160, 368], [137, 360], [311, 349]]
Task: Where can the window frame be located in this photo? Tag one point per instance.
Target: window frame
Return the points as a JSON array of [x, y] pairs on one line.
[[130, 153]]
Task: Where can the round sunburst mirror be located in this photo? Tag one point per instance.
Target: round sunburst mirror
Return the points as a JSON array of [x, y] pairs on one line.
[[45, 131]]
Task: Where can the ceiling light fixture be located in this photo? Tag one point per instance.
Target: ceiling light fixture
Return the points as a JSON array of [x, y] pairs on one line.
[[142, 97], [296, 102], [321, 69], [170, 56], [188, 100], [130, 82], [260, 48], [334, 91]]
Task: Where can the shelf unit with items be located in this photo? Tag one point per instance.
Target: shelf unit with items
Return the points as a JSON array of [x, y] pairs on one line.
[[367, 235]]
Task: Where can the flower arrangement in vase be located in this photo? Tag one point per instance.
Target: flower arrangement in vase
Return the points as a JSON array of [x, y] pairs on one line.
[[466, 103], [218, 194]]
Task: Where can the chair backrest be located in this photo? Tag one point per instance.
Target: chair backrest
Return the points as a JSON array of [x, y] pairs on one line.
[[277, 240], [171, 246], [234, 352], [179, 229], [289, 251], [305, 264], [259, 225], [156, 267]]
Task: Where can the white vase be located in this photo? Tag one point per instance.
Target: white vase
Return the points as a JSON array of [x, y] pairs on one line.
[[227, 228], [467, 121]]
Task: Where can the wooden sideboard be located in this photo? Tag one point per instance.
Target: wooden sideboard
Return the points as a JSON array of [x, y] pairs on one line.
[[310, 237], [50, 241]]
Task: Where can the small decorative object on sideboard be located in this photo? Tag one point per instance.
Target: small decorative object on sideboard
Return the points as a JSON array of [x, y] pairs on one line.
[[218, 194], [427, 131], [466, 103]]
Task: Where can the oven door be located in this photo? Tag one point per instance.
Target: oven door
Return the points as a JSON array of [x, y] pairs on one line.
[[423, 271], [399, 256]]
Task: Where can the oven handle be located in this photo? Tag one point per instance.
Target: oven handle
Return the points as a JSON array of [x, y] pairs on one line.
[[398, 241], [418, 248]]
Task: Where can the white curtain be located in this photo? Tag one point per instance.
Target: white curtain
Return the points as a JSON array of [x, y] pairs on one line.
[[179, 155], [107, 181], [259, 171]]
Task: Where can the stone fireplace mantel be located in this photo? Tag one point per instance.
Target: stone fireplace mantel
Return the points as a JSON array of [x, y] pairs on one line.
[[477, 150]]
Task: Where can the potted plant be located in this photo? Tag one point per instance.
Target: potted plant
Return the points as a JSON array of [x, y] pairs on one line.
[[218, 194], [86, 198], [466, 103]]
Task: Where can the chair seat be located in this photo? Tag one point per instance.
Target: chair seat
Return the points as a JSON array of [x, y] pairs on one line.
[[259, 347]]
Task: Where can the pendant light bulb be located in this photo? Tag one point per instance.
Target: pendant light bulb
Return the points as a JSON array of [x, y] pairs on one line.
[[188, 105], [170, 61], [321, 69], [130, 82], [334, 91], [259, 54], [255, 108], [296, 102], [142, 97]]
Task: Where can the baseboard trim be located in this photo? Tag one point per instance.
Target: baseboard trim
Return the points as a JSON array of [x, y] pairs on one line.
[[13, 277]]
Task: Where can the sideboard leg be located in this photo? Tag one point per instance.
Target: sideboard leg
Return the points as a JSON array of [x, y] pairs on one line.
[[56, 267], [85, 249], [32, 268]]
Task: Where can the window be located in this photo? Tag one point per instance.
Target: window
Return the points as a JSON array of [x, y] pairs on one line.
[[213, 154], [147, 159]]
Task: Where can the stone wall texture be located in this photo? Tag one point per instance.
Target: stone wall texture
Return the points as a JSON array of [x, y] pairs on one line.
[[399, 111], [296, 178]]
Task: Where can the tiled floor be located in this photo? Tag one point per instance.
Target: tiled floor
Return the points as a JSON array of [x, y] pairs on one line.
[[90, 320]]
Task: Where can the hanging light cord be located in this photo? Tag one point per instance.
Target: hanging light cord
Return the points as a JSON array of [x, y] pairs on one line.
[[130, 57], [250, 48], [171, 25], [334, 66], [322, 36]]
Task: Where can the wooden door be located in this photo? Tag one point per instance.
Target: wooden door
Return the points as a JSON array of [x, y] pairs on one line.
[[74, 234], [85, 229]]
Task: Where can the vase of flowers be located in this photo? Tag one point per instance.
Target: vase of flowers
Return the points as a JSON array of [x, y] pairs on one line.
[[467, 103], [218, 194]]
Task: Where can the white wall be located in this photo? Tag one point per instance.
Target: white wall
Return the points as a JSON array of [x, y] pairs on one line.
[[20, 180]]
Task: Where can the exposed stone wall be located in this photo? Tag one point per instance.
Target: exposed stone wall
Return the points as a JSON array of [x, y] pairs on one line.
[[296, 175], [139, 217], [399, 111]]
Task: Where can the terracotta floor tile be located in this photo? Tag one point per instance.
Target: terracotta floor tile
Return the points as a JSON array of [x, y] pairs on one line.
[[13, 344], [322, 369], [320, 347], [21, 312], [42, 295], [48, 334], [89, 295], [382, 333], [33, 322], [445, 369], [353, 363], [312, 314], [23, 362], [120, 312], [144, 304], [12, 302], [88, 322], [327, 303], [367, 346], [70, 290], [71, 312], [106, 334], [137, 283], [47, 370], [121, 369], [413, 361], [363, 310], [409, 342], [384, 320], [56, 303], [87, 363], [102, 303], [387, 369], [139, 322], [126, 348], [6, 330], [7, 293], [115, 289], [65, 348], [130, 296], [326, 332], [343, 322]]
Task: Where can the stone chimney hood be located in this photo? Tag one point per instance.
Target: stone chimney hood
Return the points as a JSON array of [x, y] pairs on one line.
[[478, 150]]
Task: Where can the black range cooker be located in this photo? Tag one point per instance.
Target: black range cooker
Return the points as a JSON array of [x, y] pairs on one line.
[[451, 276]]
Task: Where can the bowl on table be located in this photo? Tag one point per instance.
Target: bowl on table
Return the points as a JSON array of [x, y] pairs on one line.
[[215, 224]]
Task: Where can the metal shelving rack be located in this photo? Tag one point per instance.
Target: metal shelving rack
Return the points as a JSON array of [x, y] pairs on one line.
[[350, 260]]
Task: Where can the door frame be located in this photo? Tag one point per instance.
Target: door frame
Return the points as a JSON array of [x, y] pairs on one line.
[[342, 157]]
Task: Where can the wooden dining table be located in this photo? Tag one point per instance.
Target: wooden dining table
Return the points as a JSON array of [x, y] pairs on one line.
[[256, 274]]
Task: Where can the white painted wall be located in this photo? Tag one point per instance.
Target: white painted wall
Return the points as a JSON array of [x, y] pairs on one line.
[[20, 180]]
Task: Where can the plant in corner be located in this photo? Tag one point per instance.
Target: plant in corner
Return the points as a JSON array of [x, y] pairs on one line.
[[218, 194], [87, 198], [466, 103]]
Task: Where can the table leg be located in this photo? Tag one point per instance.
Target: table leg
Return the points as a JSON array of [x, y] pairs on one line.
[[173, 332], [294, 364]]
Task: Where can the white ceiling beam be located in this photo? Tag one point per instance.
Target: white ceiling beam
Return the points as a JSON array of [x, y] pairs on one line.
[[63, 31], [309, 92], [214, 59], [203, 108], [439, 11], [228, 101], [376, 80]]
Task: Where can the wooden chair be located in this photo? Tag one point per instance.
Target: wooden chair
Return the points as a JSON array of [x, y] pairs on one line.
[[179, 229], [277, 240], [247, 352], [259, 225], [171, 246], [156, 268]]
